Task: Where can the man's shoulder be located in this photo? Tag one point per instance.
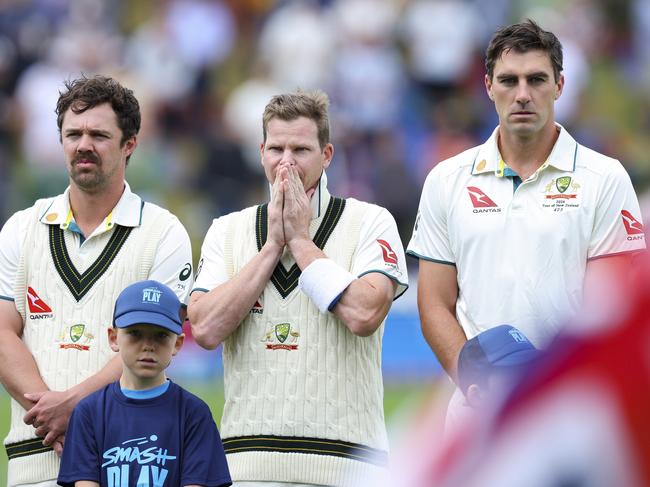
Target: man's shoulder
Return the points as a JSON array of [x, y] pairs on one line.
[[18, 222], [459, 163], [590, 160], [150, 210], [38, 209], [162, 217], [365, 206], [249, 212]]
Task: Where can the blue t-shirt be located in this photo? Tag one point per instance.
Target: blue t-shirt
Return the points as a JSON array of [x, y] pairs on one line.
[[166, 441]]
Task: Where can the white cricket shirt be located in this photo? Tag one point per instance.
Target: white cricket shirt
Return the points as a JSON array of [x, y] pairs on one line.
[[172, 263], [380, 248], [521, 250]]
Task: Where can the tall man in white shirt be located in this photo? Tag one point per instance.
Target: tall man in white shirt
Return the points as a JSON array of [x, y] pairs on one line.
[[63, 263], [514, 231], [297, 290]]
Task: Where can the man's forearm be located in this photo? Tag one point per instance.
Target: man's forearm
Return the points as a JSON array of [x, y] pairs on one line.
[[18, 370], [108, 374], [216, 314], [365, 303], [445, 336]]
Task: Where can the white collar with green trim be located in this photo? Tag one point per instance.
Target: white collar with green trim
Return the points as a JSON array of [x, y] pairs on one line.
[[127, 211], [562, 156]]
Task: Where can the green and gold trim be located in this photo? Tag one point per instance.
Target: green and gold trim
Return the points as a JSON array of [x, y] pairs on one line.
[[80, 284], [285, 281], [309, 446], [25, 448]]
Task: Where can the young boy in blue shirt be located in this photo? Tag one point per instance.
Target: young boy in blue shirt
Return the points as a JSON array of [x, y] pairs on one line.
[[144, 430]]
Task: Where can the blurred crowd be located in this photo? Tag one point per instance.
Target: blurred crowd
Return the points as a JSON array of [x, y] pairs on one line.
[[405, 78]]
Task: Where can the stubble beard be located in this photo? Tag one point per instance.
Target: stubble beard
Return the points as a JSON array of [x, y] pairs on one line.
[[91, 179]]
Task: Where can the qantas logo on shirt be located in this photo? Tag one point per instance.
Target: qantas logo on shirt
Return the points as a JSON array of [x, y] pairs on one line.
[[633, 227], [390, 257], [257, 308], [482, 202], [37, 307]]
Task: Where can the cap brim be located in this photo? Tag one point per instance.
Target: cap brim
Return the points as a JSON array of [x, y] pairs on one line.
[[519, 357], [148, 318]]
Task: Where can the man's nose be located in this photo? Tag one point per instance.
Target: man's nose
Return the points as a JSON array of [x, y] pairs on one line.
[[85, 143], [523, 93], [288, 157]]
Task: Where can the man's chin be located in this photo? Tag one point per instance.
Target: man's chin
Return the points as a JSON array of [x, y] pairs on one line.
[[87, 182], [524, 129]]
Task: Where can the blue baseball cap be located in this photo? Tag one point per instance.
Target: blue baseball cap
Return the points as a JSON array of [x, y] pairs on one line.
[[148, 303], [497, 349]]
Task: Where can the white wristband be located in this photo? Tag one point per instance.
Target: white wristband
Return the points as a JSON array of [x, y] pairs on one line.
[[323, 281]]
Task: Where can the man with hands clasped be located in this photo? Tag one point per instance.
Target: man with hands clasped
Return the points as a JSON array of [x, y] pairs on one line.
[[64, 261], [297, 290]]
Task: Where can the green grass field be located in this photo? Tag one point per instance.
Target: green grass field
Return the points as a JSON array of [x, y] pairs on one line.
[[396, 397]]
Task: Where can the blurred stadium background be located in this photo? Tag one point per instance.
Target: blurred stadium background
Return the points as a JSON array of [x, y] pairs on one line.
[[405, 78]]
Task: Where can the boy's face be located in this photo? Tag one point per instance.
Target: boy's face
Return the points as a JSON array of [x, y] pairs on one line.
[[146, 352]]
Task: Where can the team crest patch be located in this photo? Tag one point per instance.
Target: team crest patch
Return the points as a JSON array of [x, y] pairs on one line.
[[561, 194], [562, 184], [282, 331], [281, 337], [76, 337], [76, 332]]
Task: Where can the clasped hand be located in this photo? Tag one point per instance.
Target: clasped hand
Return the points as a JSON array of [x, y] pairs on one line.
[[289, 209], [50, 415]]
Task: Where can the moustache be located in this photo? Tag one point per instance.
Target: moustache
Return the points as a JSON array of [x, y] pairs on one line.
[[87, 156]]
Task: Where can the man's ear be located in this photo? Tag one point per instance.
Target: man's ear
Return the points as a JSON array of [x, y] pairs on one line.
[[488, 86], [112, 339], [130, 145], [328, 153], [559, 86]]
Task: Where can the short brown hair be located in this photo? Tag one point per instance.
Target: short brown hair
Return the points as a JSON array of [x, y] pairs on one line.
[[290, 106], [84, 93], [523, 37]]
